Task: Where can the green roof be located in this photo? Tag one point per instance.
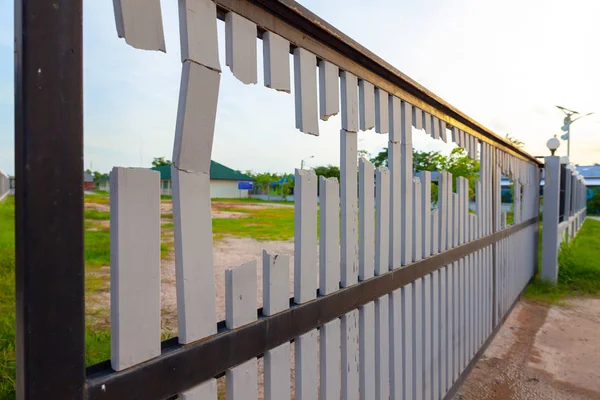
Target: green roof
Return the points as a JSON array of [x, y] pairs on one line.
[[217, 171]]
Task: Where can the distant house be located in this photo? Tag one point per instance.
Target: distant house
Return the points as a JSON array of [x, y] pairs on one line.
[[88, 181], [223, 181], [103, 184]]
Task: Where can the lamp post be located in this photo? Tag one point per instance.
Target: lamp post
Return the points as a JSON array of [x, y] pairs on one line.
[[302, 161], [567, 126], [551, 209]]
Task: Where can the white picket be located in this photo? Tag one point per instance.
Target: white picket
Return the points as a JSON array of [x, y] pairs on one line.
[[305, 91], [443, 335], [407, 341], [418, 118], [194, 269], [134, 266], [240, 48], [434, 357], [329, 89], [418, 287], [198, 32], [435, 132], [305, 280], [417, 227], [406, 184], [382, 326], [349, 98], [276, 62], [205, 391], [349, 234], [456, 292], [329, 272], [426, 333], [275, 277], [367, 350], [349, 224], [366, 98], [425, 177], [350, 356], [395, 164], [196, 114], [382, 117], [443, 131], [428, 128], [367, 219], [140, 23], [240, 309]]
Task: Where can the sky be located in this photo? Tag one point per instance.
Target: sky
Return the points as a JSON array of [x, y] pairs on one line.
[[505, 64]]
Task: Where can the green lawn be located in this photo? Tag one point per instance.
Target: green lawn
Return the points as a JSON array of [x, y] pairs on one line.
[[578, 271], [275, 223]]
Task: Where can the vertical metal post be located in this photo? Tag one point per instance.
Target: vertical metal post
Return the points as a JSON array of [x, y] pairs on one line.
[[550, 227], [49, 200]]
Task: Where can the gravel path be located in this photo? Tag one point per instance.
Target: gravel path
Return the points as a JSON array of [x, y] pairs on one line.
[[541, 353]]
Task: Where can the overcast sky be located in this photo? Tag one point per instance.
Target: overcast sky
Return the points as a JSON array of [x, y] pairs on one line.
[[506, 64]]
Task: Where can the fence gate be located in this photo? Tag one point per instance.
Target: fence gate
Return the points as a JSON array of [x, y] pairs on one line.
[[402, 299]]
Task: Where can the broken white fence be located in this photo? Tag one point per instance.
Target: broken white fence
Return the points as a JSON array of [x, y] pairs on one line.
[[4, 185], [402, 299]]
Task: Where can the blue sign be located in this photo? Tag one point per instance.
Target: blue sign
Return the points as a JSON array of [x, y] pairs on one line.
[[244, 185]]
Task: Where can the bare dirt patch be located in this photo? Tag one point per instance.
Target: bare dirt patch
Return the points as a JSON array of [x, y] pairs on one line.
[[541, 352]]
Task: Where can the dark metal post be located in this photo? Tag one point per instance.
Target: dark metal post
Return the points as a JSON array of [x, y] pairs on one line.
[[49, 199]]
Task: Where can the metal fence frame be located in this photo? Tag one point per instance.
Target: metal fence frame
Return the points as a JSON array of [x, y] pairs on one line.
[[49, 212]]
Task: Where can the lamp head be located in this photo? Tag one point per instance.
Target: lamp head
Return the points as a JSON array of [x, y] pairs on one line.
[[553, 144]]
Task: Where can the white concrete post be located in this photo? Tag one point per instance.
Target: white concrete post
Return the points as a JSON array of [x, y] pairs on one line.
[[550, 226]]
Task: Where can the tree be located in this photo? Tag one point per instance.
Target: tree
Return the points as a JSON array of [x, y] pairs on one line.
[[514, 141], [161, 162], [329, 171]]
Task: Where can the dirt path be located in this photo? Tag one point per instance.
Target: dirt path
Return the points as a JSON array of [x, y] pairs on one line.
[[541, 352]]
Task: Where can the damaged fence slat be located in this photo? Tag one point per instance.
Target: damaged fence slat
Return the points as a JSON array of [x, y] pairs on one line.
[[134, 266], [305, 85], [240, 309], [194, 267], [198, 32], [276, 298], [240, 48], [329, 89], [382, 118], [276, 62], [349, 97], [329, 272], [305, 279], [366, 92], [382, 317], [196, 116], [140, 23]]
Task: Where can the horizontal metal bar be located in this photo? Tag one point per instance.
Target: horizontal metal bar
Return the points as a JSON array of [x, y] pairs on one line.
[[181, 367], [304, 29]]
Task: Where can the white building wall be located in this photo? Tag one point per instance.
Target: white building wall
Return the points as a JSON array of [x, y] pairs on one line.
[[218, 188], [226, 189]]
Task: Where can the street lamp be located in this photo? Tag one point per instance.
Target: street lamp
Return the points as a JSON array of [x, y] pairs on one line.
[[567, 125], [553, 144], [302, 161]]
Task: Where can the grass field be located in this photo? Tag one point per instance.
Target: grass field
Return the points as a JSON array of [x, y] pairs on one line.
[[579, 268], [269, 223]]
